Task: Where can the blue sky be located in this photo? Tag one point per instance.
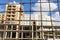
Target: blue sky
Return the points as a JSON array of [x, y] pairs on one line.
[[26, 6]]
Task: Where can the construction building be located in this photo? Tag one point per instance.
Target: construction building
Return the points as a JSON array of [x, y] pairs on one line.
[[14, 25]]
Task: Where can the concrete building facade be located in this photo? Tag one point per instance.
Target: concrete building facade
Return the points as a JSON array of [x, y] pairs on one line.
[[17, 26]]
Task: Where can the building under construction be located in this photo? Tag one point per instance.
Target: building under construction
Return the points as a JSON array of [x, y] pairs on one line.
[[15, 25]]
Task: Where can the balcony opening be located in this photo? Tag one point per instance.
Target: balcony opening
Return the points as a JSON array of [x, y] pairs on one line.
[[14, 27], [1, 27], [19, 35], [8, 15], [27, 35], [1, 35], [8, 19], [12, 19], [20, 27], [8, 34], [13, 34], [2, 22], [13, 15], [9, 27], [13, 12], [9, 5], [27, 28], [14, 6]]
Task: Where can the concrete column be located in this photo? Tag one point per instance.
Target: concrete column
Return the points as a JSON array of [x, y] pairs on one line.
[[17, 32], [11, 32], [54, 36], [22, 33], [32, 32], [6, 27], [6, 32], [11, 35], [53, 33], [42, 33], [36, 33]]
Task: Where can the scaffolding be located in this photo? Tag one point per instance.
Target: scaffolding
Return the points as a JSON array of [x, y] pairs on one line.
[[32, 31]]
